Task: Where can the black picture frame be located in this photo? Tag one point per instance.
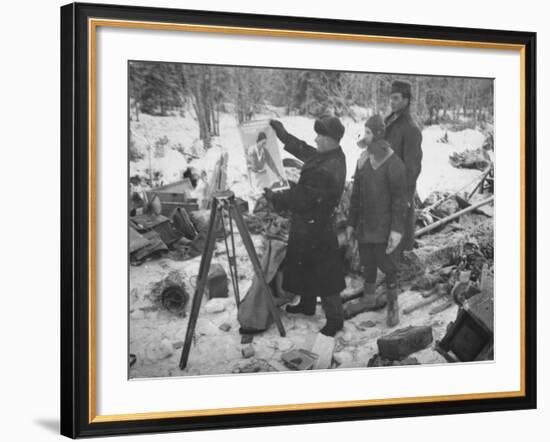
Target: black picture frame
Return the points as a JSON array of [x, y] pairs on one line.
[[76, 418]]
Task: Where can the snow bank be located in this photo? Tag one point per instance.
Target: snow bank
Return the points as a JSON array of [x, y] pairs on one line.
[[437, 172]]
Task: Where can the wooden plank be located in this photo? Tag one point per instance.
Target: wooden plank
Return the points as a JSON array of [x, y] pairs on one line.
[[453, 216]]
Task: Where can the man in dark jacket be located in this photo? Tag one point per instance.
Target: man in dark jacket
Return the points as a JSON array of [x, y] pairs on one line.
[[313, 265], [405, 139]]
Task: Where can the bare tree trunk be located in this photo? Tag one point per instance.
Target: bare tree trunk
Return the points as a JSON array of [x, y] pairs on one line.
[[464, 98], [417, 98], [375, 94]]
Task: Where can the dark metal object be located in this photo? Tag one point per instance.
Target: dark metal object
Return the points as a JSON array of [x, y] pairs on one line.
[[484, 175], [225, 201], [159, 223], [174, 299], [183, 224], [173, 195], [216, 286], [404, 341], [470, 336], [299, 359]]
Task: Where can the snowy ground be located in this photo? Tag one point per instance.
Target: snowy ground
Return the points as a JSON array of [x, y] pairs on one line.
[[156, 336]]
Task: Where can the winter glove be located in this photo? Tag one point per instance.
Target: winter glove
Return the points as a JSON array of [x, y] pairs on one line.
[[279, 129], [393, 241], [268, 195]]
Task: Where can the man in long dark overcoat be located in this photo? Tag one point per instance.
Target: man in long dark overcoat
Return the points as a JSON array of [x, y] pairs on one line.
[[405, 138], [313, 266]]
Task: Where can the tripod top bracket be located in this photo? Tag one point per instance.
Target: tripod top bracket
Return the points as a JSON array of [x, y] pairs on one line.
[[223, 195]]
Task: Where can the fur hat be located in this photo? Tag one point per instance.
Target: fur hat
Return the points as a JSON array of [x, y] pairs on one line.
[[401, 87], [377, 126], [330, 127]]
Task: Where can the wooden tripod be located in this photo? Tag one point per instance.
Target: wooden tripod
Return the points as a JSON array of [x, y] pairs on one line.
[[225, 200]]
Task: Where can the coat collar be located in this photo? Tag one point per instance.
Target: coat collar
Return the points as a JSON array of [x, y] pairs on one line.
[[397, 116], [378, 155], [376, 161]]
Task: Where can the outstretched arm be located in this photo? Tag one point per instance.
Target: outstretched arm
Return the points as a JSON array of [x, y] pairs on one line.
[[293, 145]]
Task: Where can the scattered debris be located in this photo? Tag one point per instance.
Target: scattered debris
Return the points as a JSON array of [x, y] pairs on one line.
[[277, 366], [444, 139], [470, 336], [247, 351], [441, 308], [439, 293], [268, 223], [283, 344], [225, 327], [379, 361], [469, 159], [455, 215], [154, 246], [172, 196], [343, 358], [174, 299], [253, 366], [169, 293], [299, 359], [347, 337], [159, 223], [363, 304], [402, 342], [183, 224]]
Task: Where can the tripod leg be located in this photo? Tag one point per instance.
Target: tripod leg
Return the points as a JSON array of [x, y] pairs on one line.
[[201, 284], [237, 293], [231, 261], [247, 241]]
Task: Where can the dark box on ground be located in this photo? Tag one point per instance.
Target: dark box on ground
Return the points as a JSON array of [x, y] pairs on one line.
[[217, 283], [401, 343]]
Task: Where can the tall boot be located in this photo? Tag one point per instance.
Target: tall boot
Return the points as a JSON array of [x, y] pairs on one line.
[[306, 306], [334, 313], [367, 302], [392, 318], [369, 293]]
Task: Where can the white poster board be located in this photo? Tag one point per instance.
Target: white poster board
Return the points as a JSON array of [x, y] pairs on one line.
[[263, 160]]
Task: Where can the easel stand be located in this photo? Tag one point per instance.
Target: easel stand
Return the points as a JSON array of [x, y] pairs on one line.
[[224, 201]]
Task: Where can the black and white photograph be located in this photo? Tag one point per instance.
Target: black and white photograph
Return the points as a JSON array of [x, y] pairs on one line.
[[295, 219], [274, 221], [265, 169]]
